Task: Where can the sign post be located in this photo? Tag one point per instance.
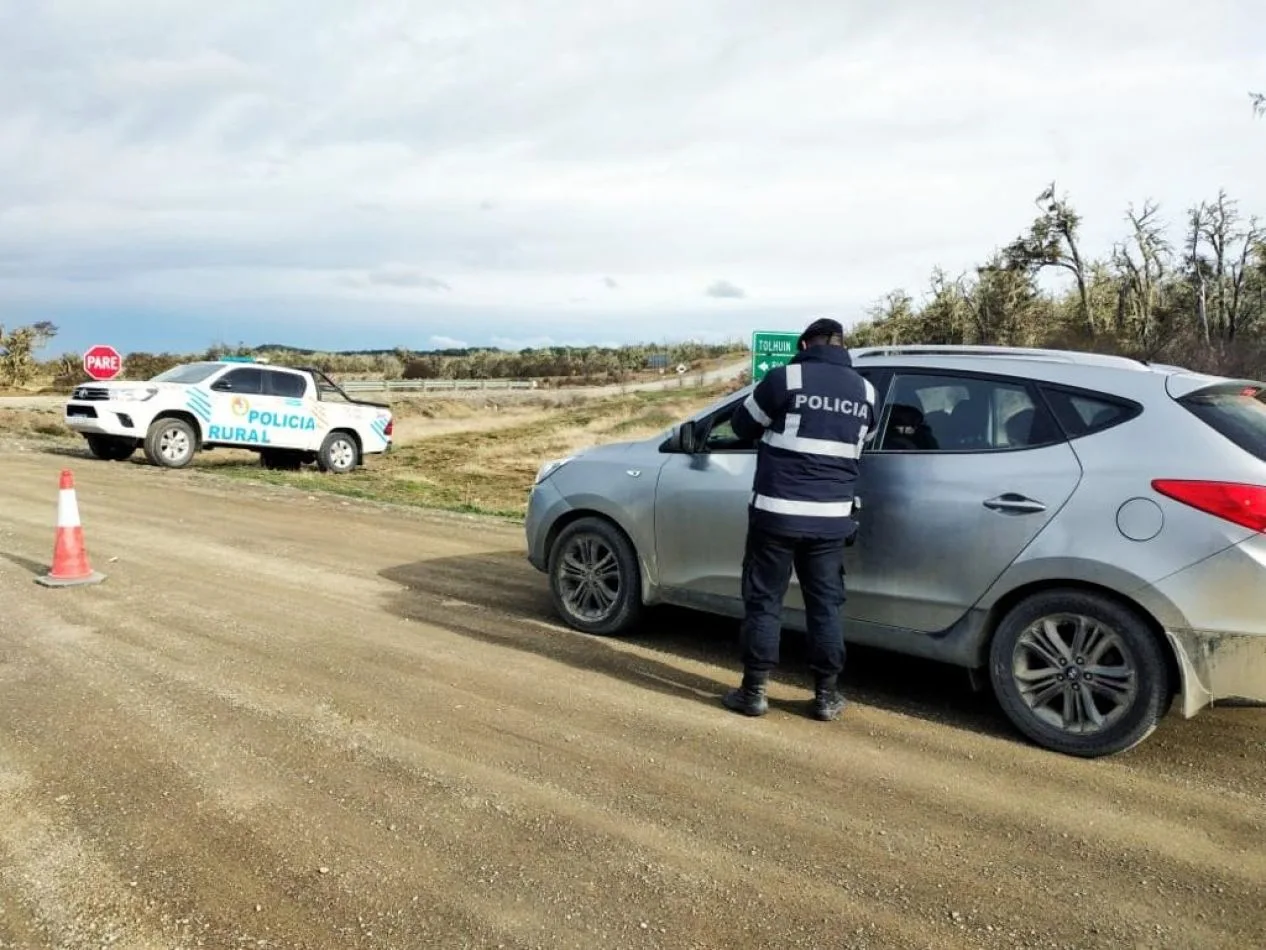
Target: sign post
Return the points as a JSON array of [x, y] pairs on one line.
[[771, 348], [102, 362]]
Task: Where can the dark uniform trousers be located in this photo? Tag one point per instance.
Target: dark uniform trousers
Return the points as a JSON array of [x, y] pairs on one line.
[[768, 561]]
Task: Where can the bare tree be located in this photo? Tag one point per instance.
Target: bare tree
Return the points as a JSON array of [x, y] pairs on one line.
[[1232, 245], [1251, 242], [1142, 264], [1259, 103], [1198, 268], [1220, 253], [1052, 242]]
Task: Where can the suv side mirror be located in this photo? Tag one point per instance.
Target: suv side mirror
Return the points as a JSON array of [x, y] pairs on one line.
[[682, 439]]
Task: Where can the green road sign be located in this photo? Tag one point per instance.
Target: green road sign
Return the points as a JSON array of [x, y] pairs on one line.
[[771, 348]]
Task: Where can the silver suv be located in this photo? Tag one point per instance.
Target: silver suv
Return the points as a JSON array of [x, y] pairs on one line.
[[1089, 529]]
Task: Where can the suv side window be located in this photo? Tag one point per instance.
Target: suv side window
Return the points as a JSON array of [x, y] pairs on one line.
[[1081, 413], [249, 382], [721, 436], [290, 385], [929, 412]]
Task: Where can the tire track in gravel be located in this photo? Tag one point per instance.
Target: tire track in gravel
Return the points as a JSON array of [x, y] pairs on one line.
[[267, 685]]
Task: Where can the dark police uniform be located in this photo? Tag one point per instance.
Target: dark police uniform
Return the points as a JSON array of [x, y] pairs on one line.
[[812, 417]]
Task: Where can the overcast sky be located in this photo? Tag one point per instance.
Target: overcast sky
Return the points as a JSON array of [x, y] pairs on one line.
[[424, 172]]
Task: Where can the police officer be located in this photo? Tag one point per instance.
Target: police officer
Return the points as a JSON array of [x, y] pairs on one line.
[[812, 418]]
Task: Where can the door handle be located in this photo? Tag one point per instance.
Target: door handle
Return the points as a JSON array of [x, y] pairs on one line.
[[1011, 503]]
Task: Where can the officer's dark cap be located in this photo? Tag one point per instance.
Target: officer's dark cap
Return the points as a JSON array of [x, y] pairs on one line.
[[823, 328]]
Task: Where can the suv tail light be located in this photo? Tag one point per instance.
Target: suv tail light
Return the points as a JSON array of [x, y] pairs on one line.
[[1244, 505], [390, 424]]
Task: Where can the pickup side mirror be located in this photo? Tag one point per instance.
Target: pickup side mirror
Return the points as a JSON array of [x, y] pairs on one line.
[[682, 439]]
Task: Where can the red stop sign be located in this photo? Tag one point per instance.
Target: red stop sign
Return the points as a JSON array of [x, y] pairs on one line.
[[103, 362]]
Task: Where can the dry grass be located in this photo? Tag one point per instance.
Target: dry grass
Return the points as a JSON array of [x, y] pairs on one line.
[[486, 461], [38, 423], [463, 454]]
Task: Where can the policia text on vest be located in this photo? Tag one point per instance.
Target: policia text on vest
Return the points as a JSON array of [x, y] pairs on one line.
[[812, 418]]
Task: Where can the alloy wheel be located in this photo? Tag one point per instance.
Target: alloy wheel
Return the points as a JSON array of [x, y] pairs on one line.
[[589, 579], [1075, 673]]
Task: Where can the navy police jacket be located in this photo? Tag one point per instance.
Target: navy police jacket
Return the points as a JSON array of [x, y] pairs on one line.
[[812, 417]]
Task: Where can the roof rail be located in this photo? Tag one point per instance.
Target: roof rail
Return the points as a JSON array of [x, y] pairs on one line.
[[1014, 352]]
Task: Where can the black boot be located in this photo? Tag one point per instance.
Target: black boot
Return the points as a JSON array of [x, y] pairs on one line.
[[749, 698], [827, 701]]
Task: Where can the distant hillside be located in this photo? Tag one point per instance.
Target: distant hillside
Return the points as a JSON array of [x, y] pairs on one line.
[[393, 351]]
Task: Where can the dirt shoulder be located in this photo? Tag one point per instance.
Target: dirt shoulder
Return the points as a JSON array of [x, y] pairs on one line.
[[297, 721]]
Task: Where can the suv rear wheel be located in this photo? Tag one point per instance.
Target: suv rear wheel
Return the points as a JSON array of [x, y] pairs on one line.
[[1078, 673], [594, 577]]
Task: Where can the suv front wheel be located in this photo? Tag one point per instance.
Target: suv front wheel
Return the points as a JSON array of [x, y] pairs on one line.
[[594, 577], [1079, 673]]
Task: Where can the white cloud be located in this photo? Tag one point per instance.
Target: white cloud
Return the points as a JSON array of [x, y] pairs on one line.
[[513, 344], [725, 290], [402, 275], [447, 343], [413, 165]]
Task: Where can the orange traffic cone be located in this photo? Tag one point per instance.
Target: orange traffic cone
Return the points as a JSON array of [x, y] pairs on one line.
[[70, 557]]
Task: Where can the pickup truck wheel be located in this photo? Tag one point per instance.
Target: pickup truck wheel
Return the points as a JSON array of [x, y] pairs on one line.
[[170, 443], [110, 449], [594, 578], [281, 460], [1079, 673], [338, 453]]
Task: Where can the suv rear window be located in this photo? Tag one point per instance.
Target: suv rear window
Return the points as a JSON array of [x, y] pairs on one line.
[[1237, 412], [1081, 413]]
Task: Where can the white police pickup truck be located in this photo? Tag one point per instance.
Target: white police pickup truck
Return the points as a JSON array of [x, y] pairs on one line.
[[289, 416]]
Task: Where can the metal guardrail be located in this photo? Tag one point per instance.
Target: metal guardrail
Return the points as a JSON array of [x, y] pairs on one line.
[[432, 385]]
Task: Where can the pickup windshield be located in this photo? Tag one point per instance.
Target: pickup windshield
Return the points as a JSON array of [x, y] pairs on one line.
[[1237, 411], [186, 373]]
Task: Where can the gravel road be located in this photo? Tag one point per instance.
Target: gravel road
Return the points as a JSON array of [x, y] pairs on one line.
[[293, 721]]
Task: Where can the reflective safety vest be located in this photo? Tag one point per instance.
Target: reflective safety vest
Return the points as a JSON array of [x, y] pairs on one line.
[[812, 417]]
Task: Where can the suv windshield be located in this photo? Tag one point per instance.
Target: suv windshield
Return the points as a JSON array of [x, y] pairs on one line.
[[1237, 412], [186, 373]]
